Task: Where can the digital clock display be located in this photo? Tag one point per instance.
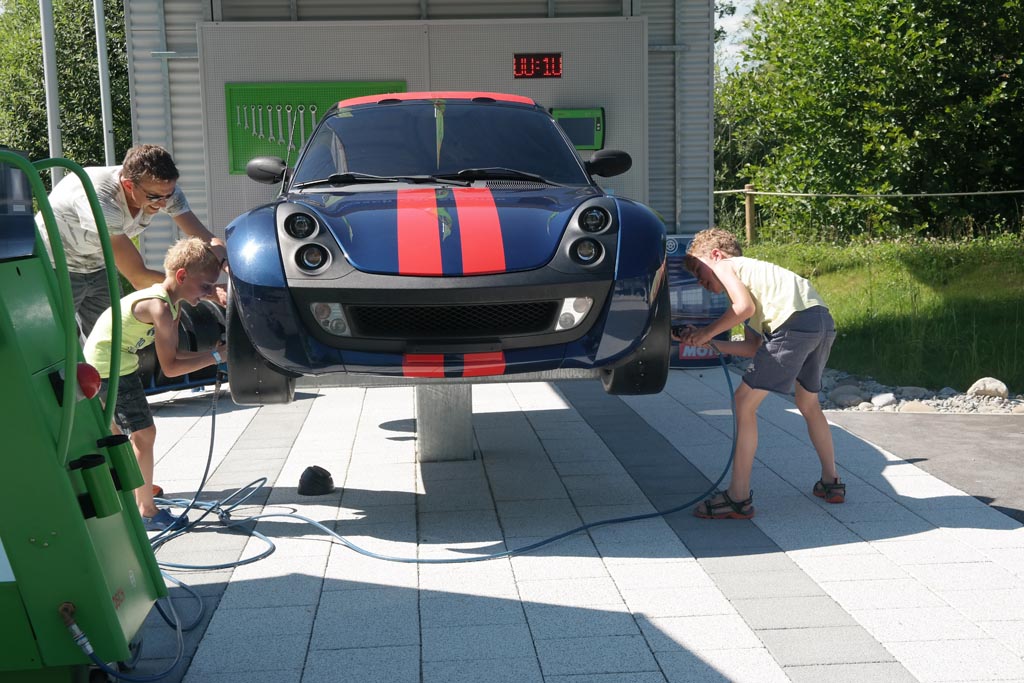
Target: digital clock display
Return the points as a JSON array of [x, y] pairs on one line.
[[537, 65]]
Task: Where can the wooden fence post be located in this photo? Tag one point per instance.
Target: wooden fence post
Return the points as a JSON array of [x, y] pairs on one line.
[[749, 205]]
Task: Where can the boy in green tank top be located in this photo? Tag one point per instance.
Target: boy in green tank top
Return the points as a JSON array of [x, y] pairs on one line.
[[150, 316], [789, 333]]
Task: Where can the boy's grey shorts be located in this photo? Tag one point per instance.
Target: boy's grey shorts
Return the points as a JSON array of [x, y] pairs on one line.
[[132, 412], [797, 351]]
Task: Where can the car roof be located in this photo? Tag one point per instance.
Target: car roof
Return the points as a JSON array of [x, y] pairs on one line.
[[436, 95]]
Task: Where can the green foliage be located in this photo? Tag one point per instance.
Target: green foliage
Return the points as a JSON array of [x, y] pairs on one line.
[[23, 100], [876, 96], [930, 313]]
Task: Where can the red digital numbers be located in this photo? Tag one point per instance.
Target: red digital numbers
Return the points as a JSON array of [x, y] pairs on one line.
[[537, 65]]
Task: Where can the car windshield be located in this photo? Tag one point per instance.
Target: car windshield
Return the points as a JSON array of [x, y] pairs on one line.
[[438, 139]]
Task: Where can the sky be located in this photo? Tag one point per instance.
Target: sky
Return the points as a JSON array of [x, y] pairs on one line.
[[727, 52]]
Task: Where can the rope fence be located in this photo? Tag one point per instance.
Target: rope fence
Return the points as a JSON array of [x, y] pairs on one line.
[[750, 192]]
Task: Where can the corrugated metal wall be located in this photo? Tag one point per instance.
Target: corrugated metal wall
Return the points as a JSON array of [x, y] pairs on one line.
[[166, 85]]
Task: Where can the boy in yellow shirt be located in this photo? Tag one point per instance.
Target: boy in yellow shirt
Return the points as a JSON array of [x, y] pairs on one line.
[[150, 316], [789, 333]]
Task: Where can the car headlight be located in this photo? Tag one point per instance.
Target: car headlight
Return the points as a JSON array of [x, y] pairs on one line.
[[586, 251], [595, 219], [331, 317], [300, 225], [574, 310], [311, 257]]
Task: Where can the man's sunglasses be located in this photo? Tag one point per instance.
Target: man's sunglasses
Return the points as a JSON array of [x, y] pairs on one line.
[[158, 197]]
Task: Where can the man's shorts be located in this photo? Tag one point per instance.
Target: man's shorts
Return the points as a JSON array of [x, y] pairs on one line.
[[797, 351], [91, 296], [132, 412]]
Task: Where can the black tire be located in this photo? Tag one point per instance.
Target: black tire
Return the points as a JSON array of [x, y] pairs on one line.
[[252, 380], [199, 329], [646, 371]]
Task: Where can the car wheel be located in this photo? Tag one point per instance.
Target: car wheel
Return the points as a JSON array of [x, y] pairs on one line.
[[646, 371], [252, 380]]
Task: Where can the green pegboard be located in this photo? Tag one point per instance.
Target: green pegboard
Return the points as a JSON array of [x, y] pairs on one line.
[[275, 119]]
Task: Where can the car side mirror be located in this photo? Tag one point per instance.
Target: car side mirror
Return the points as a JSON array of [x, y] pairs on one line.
[[609, 162], [267, 170]]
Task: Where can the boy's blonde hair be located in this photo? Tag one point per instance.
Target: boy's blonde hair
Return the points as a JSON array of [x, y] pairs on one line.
[[714, 238], [192, 254]]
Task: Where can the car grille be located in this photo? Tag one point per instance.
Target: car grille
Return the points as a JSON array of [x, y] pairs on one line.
[[454, 322]]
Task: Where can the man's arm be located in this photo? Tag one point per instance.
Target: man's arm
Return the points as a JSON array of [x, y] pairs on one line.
[[190, 224], [130, 264]]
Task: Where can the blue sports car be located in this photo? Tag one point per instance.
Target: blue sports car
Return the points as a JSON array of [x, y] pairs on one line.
[[445, 237]]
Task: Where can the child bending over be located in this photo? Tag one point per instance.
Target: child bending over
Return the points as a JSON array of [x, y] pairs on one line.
[[150, 316], [789, 333]]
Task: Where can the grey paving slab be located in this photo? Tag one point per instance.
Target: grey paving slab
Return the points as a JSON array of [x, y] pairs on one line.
[[823, 645], [366, 665], [890, 672], [595, 655], [458, 643], [506, 670]]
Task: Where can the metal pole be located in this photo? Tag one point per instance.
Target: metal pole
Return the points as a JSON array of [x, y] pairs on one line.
[[104, 67], [748, 193], [50, 85]]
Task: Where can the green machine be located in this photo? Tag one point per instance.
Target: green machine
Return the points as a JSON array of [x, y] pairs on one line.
[[77, 573]]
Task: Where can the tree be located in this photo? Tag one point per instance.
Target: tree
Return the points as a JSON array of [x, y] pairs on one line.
[[23, 100], [878, 96]]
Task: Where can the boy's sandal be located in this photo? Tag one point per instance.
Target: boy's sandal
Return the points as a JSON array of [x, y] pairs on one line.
[[832, 493], [727, 508]]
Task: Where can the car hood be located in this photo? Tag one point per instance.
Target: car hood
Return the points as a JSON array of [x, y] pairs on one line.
[[448, 231]]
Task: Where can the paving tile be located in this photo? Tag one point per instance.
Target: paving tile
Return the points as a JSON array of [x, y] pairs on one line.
[[632, 677], [666, 602], [748, 563], [721, 666], [459, 643], [792, 612], [278, 591], [580, 592], [375, 617], [294, 676], [1009, 633], [348, 570], [781, 584], [826, 645], [988, 604], [595, 655], [366, 665], [958, 660], [665, 573], [890, 672], [493, 578], [699, 634], [851, 568], [506, 670], [553, 621], [438, 609], [881, 593], [917, 623], [223, 655]]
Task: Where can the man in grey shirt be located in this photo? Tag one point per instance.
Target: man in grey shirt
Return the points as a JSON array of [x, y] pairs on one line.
[[129, 196]]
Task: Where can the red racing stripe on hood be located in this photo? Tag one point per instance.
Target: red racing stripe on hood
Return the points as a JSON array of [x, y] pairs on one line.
[[419, 238], [423, 365], [479, 231]]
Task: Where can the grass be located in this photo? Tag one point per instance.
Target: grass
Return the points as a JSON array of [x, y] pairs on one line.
[[920, 312]]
